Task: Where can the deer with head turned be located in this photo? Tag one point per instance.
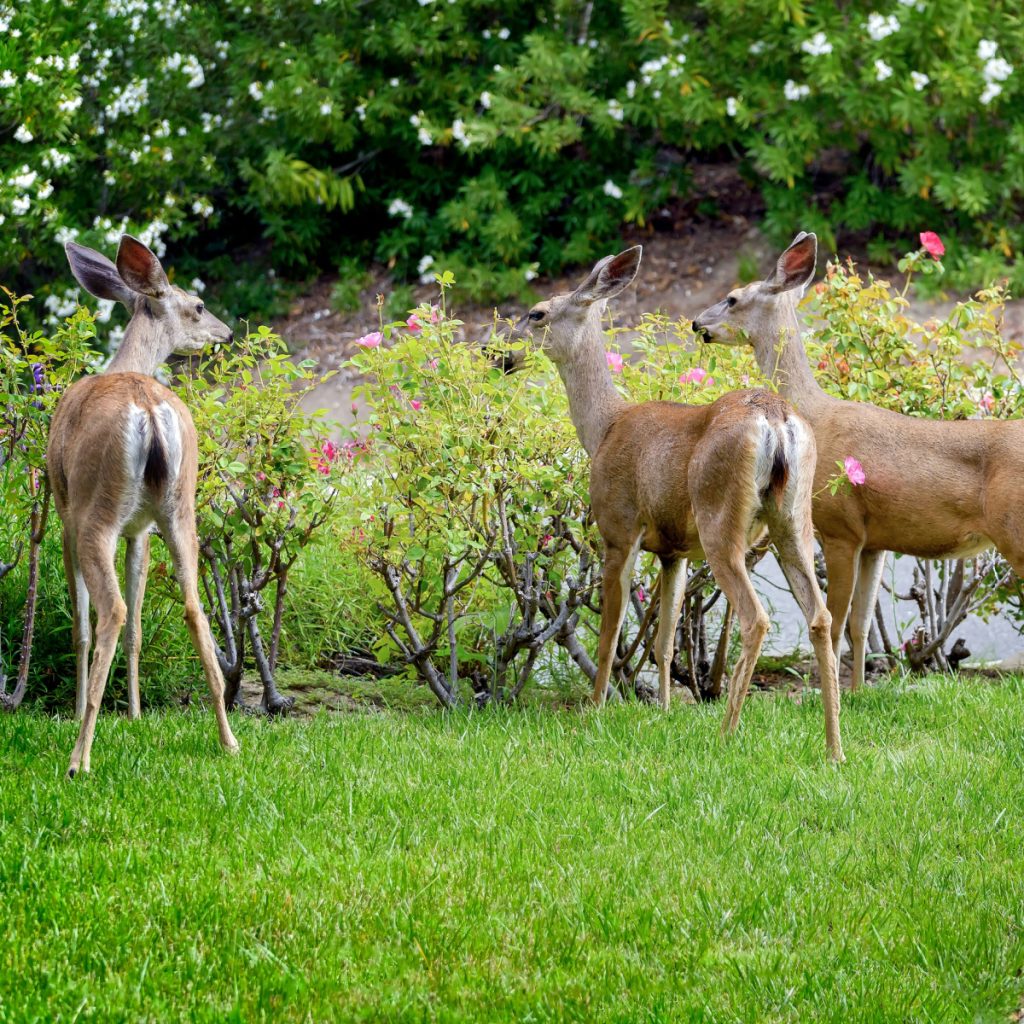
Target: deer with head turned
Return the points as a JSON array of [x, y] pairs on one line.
[[122, 457], [686, 482], [933, 489]]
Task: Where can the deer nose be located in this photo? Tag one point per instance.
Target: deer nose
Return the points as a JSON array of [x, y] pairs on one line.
[[700, 331]]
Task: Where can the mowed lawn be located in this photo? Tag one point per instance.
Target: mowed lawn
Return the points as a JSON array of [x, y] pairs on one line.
[[538, 865]]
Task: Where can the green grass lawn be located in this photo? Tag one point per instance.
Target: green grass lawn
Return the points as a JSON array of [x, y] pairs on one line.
[[538, 865]]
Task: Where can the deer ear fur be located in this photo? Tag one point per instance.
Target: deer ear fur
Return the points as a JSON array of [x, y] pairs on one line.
[[796, 266], [609, 277], [97, 275], [140, 269]]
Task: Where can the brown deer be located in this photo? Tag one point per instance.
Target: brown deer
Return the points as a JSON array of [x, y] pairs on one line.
[[933, 489], [686, 482], [122, 457]]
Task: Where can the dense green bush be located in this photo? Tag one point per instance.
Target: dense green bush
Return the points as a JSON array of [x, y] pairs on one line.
[[494, 139]]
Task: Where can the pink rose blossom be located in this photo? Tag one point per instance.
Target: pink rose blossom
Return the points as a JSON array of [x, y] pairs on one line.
[[698, 375], [932, 244], [435, 316], [854, 470], [370, 340], [641, 595], [413, 324], [987, 402], [614, 361], [432, 364], [416, 404]]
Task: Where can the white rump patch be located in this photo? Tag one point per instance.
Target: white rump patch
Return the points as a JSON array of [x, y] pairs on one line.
[[170, 434]]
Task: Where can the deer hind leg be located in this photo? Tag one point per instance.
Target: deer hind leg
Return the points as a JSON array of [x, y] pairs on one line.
[[794, 543], [180, 537], [727, 561], [673, 587], [618, 568], [81, 630], [96, 560], [136, 568], [865, 595], [842, 560]]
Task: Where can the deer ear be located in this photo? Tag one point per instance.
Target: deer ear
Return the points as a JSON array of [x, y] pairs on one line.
[[97, 275], [796, 266], [140, 269], [609, 277]]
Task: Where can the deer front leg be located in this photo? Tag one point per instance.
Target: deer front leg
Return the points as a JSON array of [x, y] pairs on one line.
[[618, 568], [81, 630], [842, 559], [136, 569], [862, 610], [673, 587]]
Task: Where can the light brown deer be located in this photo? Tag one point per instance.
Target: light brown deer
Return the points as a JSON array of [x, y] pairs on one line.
[[122, 457], [686, 482], [933, 489]]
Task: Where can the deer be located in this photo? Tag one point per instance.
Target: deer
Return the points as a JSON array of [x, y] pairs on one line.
[[122, 458], [686, 482], [933, 489]]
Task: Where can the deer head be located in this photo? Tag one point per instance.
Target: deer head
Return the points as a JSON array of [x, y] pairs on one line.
[[562, 324], [166, 320], [751, 311]]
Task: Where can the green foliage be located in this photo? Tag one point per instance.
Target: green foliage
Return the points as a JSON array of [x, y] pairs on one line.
[[499, 137], [509, 866]]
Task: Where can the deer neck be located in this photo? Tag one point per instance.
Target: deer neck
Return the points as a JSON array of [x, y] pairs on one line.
[[146, 345], [780, 353], [594, 402]]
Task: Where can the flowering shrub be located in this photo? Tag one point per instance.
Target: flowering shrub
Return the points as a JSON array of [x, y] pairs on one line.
[[494, 139]]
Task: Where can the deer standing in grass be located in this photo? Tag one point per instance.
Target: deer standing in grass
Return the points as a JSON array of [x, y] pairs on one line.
[[122, 457], [686, 482], [933, 489]]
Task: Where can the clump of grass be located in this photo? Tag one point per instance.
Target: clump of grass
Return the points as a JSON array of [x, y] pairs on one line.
[[522, 864]]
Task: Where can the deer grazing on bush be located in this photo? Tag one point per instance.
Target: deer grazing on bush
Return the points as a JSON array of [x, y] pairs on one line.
[[686, 482], [933, 489], [122, 457]]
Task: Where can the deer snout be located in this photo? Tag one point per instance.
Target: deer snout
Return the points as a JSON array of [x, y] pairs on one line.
[[700, 332]]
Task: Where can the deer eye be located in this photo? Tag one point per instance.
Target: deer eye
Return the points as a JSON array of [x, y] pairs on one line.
[[537, 314], [731, 301], [200, 307]]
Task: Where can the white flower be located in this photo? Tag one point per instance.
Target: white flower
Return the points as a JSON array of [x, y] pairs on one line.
[[399, 208], [757, 47], [615, 110], [325, 108], [817, 46], [423, 269], [611, 189], [529, 274], [197, 285], [459, 133], [485, 100], [426, 139], [23, 134], [630, 89], [919, 80], [503, 33], [31, 76], [731, 106], [987, 49], [8, 79], [361, 111], [997, 69], [202, 207], [256, 90], [394, 83], [64, 235], [879, 26], [45, 191], [882, 70], [20, 205], [990, 92], [424, 3], [24, 180], [794, 92]]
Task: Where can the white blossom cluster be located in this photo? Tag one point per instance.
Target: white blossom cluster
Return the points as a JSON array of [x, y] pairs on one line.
[[817, 46], [422, 132], [399, 208], [879, 26], [423, 269], [611, 189], [130, 100], [188, 65], [793, 92], [995, 71]]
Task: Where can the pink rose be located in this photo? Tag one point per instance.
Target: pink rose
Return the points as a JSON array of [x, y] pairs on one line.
[[698, 375], [854, 470], [932, 244], [413, 324], [614, 361], [370, 340], [987, 402]]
